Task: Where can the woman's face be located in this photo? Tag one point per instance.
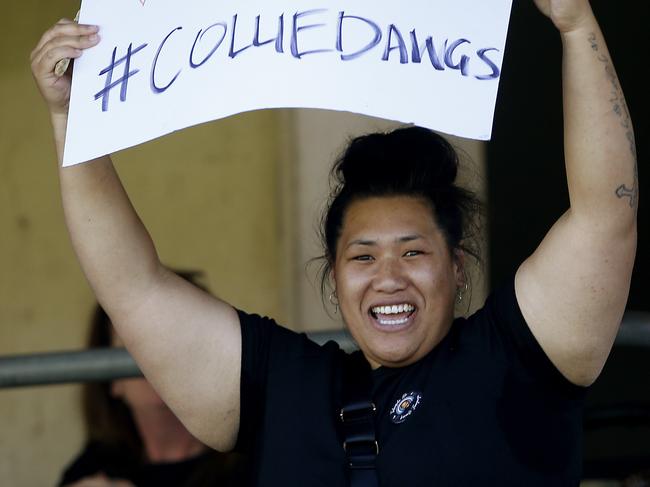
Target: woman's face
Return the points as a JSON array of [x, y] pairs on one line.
[[395, 279]]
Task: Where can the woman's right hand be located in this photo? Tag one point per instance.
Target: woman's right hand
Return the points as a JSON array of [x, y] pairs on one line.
[[66, 39]]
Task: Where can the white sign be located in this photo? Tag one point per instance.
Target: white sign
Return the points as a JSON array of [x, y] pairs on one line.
[[163, 65]]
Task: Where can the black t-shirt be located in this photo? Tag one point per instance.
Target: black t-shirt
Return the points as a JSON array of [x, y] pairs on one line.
[[207, 469], [485, 407]]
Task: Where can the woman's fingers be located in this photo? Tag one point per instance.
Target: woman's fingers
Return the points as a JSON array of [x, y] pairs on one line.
[[49, 50], [53, 56], [73, 35], [67, 30], [74, 39], [45, 63]]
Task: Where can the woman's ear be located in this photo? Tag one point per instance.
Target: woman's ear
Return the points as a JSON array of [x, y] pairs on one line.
[[459, 268], [332, 277]]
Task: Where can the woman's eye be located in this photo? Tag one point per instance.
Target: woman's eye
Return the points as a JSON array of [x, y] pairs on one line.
[[362, 258], [412, 253]]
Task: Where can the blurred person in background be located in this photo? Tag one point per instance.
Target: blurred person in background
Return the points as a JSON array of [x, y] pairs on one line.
[[134, 439]]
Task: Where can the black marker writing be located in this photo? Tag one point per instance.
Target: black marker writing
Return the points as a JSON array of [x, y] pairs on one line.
[[199, 37], [339, 36], [350, 37], [295, 51], [463, 64], [233, 53], [123, 81], [278, 37], [495, 69], [401, 46], [155, 88], [417, 51]]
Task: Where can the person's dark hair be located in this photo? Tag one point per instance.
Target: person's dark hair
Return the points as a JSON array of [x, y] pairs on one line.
[[108, 419], [410, 161]]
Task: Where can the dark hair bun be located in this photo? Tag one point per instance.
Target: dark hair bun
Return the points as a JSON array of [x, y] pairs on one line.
[[409, 159]]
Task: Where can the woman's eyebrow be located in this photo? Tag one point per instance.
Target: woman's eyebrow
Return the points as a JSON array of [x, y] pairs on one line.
[[408, 238], [370, 243], [361, 241]]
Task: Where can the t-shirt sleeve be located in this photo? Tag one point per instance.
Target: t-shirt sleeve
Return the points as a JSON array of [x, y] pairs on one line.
[[256, 336], [508, 318], [261, 337]]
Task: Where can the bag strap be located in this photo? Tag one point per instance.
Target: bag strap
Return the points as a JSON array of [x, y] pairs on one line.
[[358, 422]]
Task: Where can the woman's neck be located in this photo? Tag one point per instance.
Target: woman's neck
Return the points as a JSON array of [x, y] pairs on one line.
[[164, 437]]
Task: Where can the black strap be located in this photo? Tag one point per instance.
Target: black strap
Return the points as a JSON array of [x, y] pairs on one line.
[[357, 418]]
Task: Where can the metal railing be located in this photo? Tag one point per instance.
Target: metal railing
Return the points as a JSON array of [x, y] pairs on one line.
[[104, 364], [99, 364]]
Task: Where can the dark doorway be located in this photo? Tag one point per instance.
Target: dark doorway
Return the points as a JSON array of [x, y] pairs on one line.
[[526, 179]]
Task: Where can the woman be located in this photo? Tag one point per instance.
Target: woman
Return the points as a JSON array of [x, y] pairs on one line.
[[492, 400], [133, 437]]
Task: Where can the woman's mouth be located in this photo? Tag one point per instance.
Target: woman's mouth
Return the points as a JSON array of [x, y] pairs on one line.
[[393, 314]]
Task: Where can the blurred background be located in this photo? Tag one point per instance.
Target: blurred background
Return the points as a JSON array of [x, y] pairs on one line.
[[239, 199]]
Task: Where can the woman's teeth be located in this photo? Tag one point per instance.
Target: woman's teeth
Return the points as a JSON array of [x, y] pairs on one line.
[[392, 322], [382, 313], [394, 309]]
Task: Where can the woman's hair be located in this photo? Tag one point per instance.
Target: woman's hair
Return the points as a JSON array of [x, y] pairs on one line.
[[108, 419], [410, 161]]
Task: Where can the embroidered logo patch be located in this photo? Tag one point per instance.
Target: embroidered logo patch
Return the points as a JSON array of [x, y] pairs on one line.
[[405, 406]]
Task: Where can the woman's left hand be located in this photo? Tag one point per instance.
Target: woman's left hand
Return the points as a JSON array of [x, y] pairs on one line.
[[567, 15]]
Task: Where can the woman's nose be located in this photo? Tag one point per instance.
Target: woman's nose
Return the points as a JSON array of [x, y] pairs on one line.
[[389, 277]]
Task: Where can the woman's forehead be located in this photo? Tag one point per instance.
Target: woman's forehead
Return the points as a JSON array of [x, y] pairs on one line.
[[390, 218]]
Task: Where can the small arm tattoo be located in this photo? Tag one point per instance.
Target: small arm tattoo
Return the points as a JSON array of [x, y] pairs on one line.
[[620, 109]]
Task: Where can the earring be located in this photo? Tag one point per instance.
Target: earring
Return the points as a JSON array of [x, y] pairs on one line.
[[333, 299], [460, 292]]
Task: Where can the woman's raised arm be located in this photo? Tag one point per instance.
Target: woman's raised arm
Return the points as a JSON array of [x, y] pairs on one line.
[[186, 342], [573, 289]]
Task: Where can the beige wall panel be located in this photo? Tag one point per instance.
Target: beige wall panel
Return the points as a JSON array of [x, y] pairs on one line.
[[209, 198]]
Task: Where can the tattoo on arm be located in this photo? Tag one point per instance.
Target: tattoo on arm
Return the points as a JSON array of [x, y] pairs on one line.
[[620, 109]]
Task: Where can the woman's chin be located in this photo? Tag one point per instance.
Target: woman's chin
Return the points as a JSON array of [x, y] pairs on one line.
[[391, 354]]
